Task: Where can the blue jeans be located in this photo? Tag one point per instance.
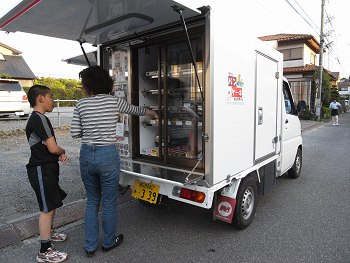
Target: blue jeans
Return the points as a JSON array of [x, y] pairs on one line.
[[99, 168]]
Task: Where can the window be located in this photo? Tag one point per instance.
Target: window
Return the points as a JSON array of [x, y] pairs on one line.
[[313, 59], [292, 54], [296, 53], [286, 54], [288, 99], [10, 86]]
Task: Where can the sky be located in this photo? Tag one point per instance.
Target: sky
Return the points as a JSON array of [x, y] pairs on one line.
[[44, 54]]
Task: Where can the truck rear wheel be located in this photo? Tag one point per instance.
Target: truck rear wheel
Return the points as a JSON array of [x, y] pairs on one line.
[[294, 171], [245, 203]]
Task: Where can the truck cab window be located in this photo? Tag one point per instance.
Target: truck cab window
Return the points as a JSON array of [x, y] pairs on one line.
[[288, 100]]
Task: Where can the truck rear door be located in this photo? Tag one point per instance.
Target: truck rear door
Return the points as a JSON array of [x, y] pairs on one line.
[[92, 21]]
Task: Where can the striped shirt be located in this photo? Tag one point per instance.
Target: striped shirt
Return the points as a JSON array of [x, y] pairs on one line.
[[95, 118]]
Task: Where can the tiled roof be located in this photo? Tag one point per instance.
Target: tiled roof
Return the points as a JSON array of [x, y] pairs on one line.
[[307, 68], [289, 37], [16, 67], [344, 83]]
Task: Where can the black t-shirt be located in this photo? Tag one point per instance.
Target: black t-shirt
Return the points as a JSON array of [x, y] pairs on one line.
[[39, 129]]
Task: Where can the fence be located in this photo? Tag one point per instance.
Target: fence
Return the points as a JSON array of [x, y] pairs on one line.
[[58, 109]]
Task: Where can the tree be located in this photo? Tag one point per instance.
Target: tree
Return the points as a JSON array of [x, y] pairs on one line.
[[326, 87], [49, 82], [69, 83], [62, 89], [3, 75], [334, 93]]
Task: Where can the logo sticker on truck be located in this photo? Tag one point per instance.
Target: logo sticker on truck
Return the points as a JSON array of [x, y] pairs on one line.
[[225, 208], [235, 85]]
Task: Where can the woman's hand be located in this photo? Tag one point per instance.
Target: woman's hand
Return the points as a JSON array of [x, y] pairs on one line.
[[151, 113]]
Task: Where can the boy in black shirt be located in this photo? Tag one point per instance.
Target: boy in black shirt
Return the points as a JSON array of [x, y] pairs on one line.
[[43, 170]]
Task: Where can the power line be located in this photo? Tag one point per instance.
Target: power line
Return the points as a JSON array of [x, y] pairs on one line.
[[301, 16], [331, 50], [307, 15], [273, 13]]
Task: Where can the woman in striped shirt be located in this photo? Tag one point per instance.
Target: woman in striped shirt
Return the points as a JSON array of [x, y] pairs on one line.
[[95, 120]]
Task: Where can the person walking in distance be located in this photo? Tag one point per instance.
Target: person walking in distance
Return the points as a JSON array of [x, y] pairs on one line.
[[335, 106]]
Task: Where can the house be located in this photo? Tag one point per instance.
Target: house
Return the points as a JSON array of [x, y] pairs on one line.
[[344, 88], [299, 64], [13, 64], [337, 79]]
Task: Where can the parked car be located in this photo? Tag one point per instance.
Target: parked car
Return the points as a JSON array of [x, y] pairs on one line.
[[13, 99]]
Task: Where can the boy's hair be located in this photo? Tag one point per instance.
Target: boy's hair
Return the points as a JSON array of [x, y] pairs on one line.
[[34, 93], [96, 80]]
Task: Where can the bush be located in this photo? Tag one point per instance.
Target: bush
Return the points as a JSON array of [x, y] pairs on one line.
[[307, 115], [62, 89], [326, 112]]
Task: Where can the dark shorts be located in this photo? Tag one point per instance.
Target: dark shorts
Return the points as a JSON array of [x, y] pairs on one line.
[[44, 180], [334, 112]]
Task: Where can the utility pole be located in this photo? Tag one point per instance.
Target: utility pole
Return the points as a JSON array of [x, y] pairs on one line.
[[320, 66]]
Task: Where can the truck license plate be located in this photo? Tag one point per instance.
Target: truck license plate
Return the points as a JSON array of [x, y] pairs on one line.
[[145, 191]]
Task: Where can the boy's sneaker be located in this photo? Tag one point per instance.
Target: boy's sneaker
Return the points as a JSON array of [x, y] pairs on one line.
[[51, 255], [57, 237]]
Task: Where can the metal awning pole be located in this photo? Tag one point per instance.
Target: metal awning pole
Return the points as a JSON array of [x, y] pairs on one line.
[[179, 10], [86, 58], [81, 40]]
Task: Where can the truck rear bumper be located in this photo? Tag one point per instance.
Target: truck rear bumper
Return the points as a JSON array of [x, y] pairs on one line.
[[169, 179]]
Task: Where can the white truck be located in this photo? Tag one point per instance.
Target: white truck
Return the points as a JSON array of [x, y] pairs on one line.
[[227, 124]]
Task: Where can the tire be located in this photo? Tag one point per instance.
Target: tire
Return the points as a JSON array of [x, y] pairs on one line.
[[246, 201], [294, 171]]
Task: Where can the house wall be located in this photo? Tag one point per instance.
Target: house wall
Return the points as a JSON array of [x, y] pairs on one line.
[[5, 51], [344, 91], [294, 62], [302, 91], [293, 77], [26, 82], [307, 56]]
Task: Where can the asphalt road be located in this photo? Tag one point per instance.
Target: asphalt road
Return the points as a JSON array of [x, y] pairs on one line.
[[301, 220]]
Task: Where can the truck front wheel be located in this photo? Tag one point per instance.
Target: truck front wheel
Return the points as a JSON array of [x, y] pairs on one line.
[[245, 203], [294, 171]]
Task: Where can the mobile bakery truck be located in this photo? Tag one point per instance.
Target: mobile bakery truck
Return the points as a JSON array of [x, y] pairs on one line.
[[227, 124]]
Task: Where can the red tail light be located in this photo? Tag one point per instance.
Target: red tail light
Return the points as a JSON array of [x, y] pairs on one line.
[[24, 99], [192, 195]]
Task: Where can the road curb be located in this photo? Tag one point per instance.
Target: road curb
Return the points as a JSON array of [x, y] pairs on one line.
[[22, 228], [311, 127], [307, 125]]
